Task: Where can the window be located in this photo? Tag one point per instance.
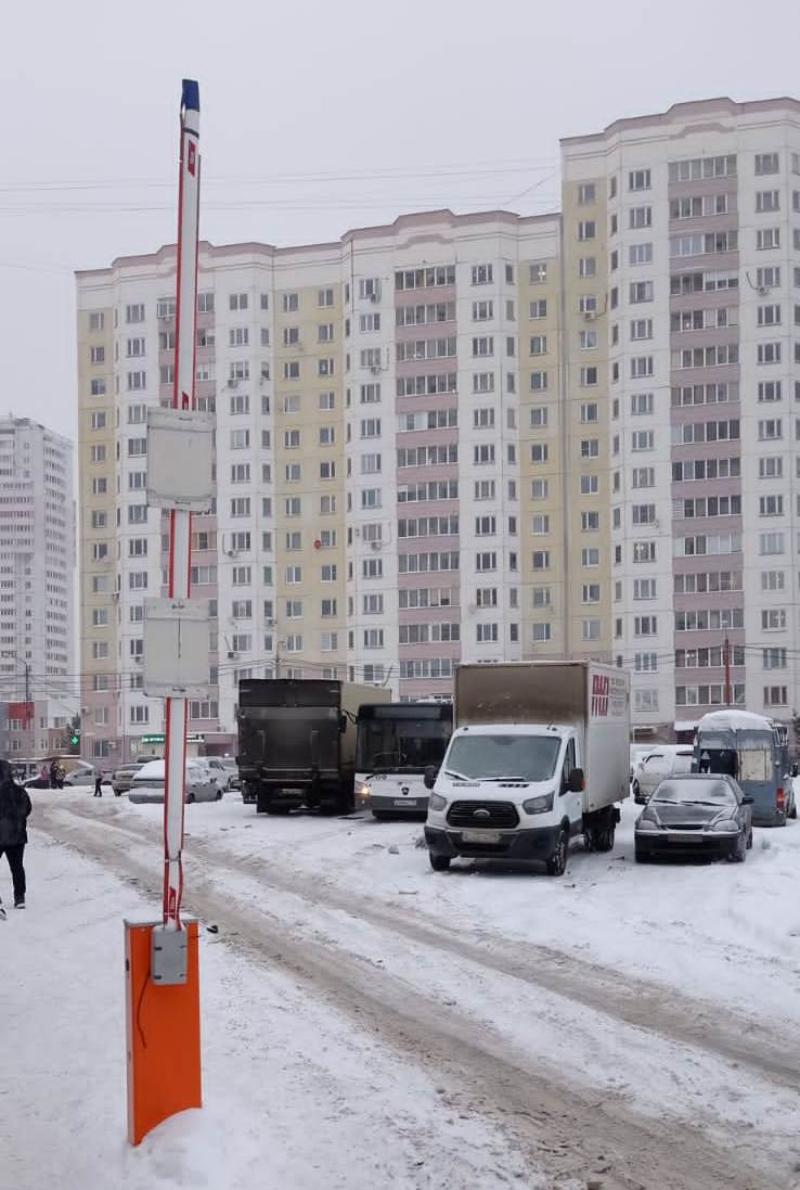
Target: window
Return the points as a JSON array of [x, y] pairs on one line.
[[588, 378], [645, 626], [482, 274], [640, 291], [587, 229], [776, 696], [538, 345], [541, 633], [767, 238], [639, 217], [639, 179], [771, 543], [640, 253], [590, 448], [586, 193], [767, 200], [590, 522]]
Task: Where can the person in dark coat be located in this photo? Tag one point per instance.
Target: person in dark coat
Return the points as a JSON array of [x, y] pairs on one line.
[[15, 806], [98, 784]]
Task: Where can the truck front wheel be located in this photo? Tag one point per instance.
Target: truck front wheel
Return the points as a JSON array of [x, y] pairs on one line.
[[557, 863], [439, 863]]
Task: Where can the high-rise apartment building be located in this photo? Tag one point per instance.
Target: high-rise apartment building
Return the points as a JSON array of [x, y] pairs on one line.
[[474, 438], [37, 572], [693, 220]]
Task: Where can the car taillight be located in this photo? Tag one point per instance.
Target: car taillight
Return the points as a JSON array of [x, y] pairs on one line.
[[780, 800]]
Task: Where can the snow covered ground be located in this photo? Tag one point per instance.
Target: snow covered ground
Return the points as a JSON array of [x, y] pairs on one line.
[[368, 1022]]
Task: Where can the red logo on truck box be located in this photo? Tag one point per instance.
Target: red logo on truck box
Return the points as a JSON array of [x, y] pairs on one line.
[[600, 688]]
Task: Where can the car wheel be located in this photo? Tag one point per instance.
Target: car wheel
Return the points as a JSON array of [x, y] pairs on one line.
[[739, 853], [190, 797], [750, 840], [641, 856], [793, 810], [439, 863], [218, 798], [557, 863]]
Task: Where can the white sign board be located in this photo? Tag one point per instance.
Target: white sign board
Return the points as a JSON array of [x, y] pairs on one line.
[[180, 447], [176, 648]]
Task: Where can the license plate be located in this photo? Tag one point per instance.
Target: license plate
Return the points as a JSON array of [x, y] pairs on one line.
[[405, 801], [698, 838], [480, 836]]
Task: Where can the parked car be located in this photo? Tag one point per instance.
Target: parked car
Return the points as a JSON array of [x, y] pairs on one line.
[[657, 765], [122, 778], [232, 768], [638, 753], [697, 813], [85, 778], [73, 767], [148, 784], [217, 767]]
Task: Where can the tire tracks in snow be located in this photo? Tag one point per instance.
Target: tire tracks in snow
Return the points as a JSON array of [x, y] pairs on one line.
[[642, 1004], [571, 1132]]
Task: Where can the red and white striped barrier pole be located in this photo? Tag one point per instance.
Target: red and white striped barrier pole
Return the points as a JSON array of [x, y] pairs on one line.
[[180, 520]]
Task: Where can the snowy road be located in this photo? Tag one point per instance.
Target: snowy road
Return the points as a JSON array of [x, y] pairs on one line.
[[614, 1027]]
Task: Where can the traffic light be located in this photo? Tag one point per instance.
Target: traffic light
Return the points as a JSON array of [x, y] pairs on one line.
[[75, 740]]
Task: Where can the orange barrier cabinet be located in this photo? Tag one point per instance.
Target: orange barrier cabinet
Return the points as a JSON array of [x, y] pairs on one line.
[[163, 1032]]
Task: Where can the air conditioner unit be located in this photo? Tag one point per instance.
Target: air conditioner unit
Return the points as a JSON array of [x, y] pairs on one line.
[[589, 315], [375, 369], [233, 383], [375, 295], [232, 656], [762, 290], [376, 545]]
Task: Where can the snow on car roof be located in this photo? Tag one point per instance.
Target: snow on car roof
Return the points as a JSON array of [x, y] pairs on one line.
[[733, 721]]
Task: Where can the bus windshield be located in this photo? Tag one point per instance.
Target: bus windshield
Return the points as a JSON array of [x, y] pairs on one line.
[[400, 745]]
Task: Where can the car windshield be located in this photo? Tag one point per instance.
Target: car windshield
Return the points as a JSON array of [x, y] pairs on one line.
[[710, 793], [490, 757]]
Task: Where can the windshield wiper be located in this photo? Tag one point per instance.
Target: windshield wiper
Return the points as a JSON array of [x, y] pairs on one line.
[[456, 776]]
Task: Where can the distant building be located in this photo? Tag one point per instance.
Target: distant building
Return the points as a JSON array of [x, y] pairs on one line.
[[38, 680]]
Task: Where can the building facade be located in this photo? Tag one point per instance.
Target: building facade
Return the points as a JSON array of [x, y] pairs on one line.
[[37, 572], [477, 438], [698, 298]]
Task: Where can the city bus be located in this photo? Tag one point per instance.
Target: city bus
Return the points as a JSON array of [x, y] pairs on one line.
[[395, 743]]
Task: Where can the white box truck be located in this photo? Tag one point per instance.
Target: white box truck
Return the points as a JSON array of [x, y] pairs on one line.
[[539, 754]]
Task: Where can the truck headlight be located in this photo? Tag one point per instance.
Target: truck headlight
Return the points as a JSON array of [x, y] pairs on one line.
[[437, 802], [363, 792], [538, 805]]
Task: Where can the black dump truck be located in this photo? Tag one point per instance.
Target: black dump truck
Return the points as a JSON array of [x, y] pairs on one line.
[[297, 742]]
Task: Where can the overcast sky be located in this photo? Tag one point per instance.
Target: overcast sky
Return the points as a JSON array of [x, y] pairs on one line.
[[451, 103]]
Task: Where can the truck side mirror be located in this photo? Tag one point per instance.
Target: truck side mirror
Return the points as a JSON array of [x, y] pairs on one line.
[[576, 781], [430, 776]]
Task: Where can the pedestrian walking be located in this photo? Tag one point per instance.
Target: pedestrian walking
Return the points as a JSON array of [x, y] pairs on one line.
[[98, 784], [15, 806], [54, 774], [61, 773]]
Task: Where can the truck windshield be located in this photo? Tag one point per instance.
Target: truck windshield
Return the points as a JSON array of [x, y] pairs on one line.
[[400, 744], [483, 757]]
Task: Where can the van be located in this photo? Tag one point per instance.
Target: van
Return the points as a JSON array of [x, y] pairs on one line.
[[668, 761]]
